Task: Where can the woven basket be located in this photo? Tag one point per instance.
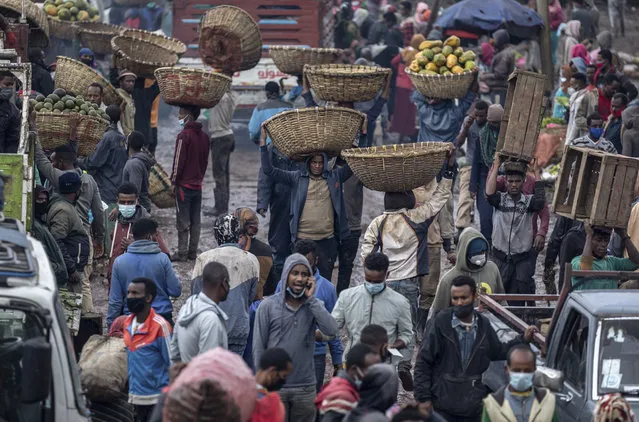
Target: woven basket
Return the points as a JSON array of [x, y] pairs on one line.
[[160, 187], [442, 86], [141, 57], [397, 168], [75, 77], [196, 87], [65, 30], [303, 132], [230, 39], [171, 44], [97, 36], [291, 59], [344, 82], [53, 131], [36, 17]]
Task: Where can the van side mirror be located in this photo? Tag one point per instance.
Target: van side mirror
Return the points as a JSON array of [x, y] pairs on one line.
[[36, 370], [551, 379]]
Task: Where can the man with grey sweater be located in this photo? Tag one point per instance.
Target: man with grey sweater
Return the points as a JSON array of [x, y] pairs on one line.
[[288, 320]]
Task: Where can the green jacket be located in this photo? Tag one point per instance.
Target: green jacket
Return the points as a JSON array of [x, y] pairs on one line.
[[497, 408]]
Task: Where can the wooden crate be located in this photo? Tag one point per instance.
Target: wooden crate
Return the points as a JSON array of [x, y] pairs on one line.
[[525, 104], [595, 186]]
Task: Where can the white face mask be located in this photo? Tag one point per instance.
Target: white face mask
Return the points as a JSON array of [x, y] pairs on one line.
[[479, 260]]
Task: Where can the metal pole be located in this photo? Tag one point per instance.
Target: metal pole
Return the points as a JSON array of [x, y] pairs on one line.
[[544, 44]]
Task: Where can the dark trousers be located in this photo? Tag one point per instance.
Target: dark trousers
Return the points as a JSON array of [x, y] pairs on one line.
[[453, 418], [143, 413], [562, 225], [485, 210], [571, 247], [188, 216], [517, 272], [327, 249], [221, 149], [153, 142], [347, 252], [320, 368]]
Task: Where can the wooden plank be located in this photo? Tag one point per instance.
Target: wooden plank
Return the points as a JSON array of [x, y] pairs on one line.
[[616, 190], [536, 110], [521, 100], [623, 214], [577, 185], [503, 128], [560, 196], [602, 193]]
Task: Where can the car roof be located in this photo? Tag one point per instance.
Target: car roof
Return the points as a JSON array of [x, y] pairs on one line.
[[609, 302]]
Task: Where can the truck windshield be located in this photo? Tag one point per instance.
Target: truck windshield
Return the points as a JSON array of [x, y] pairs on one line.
[[618, 369]]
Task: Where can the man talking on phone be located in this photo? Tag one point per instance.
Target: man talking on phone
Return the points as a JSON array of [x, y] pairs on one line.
[[288, 320]]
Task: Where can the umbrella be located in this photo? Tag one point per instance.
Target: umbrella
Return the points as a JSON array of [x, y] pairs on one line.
[[482, 16]]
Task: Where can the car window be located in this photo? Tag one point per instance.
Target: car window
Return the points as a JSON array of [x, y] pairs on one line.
[[618, 357], [572, 355]]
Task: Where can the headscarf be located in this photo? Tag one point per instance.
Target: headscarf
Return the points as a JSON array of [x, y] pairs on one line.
[[580, 64], [245, 215], [613, 408], [501, 37], [226, 229], [85, 51], [580, 50], [572, 29], [604, 39], [495, 113], [379, 388], [561, 28], [487, 53], [360, 16], [420, 9]]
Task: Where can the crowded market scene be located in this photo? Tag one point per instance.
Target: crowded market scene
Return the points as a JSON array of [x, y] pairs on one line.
[[319, 211]]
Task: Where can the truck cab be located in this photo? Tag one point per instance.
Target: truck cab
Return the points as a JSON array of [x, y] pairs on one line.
[[38, 370]]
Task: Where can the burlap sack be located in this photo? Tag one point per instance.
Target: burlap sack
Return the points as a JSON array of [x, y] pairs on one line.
[[103, 365]]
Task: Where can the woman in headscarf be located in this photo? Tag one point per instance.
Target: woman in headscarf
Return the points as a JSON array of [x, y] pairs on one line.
[[561, 43], [403, 121], [556, 16], [578, 65], [250, 224], [614, 408], [572, 36], [376, 395], [421, 17], [487, 54], [580, 51]]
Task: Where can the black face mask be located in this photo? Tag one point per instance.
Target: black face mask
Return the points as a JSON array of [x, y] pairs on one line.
[[6, 94], [87, 62], [463, 311], [40, 209], [135, 304], [277, 386]]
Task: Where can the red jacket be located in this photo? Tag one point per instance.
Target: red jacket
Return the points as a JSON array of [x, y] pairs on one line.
[[339, 396], [191, 156]]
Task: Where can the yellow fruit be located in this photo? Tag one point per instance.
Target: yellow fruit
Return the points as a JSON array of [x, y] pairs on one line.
[[457, 70], [428, 53], [422, 61], [51, 9], [83, 15], [432, 67], [436, 50], [452, 41], [467, 56], [414, 67], [470, 65], [430, 44], [458, 51], [430, 72], [451, 61], [439, 60], [447, 50]]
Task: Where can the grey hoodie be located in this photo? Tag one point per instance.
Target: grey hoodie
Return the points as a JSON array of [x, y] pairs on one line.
[[200, 326], [136, 171], [279, 325]]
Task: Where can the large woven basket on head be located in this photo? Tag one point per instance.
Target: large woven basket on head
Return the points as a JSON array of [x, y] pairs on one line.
[[171, 44], [303, 132], [75, 77], [141, 57], [185, 86], [65, 30], [442, 86], [53, 130], [160, 187], [291, 59], [97, 36], [36, 17], [345, 82], [397, 168], [230, 39]]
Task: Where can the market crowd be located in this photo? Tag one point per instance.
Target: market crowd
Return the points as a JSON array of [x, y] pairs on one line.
[[252, 339]]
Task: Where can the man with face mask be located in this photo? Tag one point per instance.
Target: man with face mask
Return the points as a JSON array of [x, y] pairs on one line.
[[146, 337], [10, 120], [519, 401], [472, 261], [275, 366], [482, 160], [448, 373], [87, 57], [289, 320], [190, 160], [66, 227], [612, 128], [595, 138], [201, 323], [143, 258], [375, 303]]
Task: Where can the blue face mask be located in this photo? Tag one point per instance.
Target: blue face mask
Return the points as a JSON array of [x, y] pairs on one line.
[[374, 288], [127, 211], [521, 381], [596, 132], [182, 122], [295, 295]]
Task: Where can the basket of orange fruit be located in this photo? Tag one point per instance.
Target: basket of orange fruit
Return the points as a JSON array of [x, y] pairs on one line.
[[62, 14]]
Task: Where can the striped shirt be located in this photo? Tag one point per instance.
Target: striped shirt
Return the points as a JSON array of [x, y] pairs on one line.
[[602, 144]]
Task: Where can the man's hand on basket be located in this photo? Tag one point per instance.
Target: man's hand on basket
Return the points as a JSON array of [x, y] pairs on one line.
[[451, 156]]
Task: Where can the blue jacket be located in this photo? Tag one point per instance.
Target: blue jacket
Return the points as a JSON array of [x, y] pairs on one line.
[[148, 358], [262, 113], [298, 180], [143, 258], [441, 122], [325, 291]]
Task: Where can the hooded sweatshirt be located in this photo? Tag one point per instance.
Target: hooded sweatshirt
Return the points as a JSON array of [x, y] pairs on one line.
[[200, 326], [487, 275], [277, 324], [377, 394], [142, 259], [136, 171], [191, 156]]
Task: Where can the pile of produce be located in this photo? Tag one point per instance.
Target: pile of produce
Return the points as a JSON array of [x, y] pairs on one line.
[[60, 102], [71, 10], [443, 58], [549, 122]]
